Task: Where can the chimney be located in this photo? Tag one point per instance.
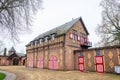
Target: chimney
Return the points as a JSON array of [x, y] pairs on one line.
[[5, 49]]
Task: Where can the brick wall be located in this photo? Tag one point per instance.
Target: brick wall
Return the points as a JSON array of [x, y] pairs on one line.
[[111, 58]]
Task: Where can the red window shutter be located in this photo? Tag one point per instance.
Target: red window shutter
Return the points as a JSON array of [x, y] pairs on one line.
[[71, 35]]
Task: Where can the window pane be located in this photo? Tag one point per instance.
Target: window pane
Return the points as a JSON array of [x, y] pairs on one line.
[[46, 39], [36, 42], [75, 37], [53, 36], [40, 41], [98, 52], [81, 53], [75, 34]]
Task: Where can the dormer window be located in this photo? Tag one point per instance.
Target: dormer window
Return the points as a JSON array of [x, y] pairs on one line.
[[32, 43], [40, 41], [53, 36], [36, 42], [46, 39]]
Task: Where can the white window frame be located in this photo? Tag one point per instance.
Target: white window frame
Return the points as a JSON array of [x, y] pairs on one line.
[[46, 39], [53, 36], [36, 42], [40, 41]]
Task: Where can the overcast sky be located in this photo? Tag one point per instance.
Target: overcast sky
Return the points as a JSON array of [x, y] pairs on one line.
[[57, 12]]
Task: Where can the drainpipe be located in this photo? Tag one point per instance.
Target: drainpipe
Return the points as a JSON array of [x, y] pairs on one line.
[[64, 52]]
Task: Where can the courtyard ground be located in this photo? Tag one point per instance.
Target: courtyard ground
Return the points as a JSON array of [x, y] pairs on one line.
[[23, 73]]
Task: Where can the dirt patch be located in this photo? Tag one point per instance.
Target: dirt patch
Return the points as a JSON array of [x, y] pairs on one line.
[[24, 73]]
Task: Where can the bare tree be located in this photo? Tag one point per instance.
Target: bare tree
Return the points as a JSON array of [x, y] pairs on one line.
[[109, 29], [16, 15]]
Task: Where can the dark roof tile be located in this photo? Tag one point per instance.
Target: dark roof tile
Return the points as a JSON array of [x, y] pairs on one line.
[[61, 29]]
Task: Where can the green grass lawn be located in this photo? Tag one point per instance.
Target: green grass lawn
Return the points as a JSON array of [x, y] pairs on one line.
[[2, 76]]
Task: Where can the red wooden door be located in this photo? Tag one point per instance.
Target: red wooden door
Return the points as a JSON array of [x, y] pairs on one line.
[[81, 63], [99, 64], [40, 63], [53, 63]]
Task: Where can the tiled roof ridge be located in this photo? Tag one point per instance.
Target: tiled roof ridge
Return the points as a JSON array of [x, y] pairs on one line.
[[58, 28]]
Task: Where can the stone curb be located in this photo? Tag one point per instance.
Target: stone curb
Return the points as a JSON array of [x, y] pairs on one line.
[[9, 76]]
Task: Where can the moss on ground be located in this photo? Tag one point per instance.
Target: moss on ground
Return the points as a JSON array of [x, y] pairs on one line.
[[2, 76]]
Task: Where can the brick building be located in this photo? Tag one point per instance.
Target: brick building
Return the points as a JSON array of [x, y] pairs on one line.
[[66, 47], [102, 59], [12, 58], [54, 49]]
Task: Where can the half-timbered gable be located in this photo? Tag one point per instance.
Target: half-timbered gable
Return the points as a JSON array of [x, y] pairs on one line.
[[74, 41]]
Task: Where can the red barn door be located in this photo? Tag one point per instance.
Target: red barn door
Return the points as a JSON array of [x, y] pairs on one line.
[[40, 63], [53, 63], [99, 64], [81, 63], [31, 63]]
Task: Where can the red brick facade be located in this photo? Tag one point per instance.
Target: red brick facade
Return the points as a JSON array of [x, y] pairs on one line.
[[12, 58], [110, 55], [62, 47], [69, 51]]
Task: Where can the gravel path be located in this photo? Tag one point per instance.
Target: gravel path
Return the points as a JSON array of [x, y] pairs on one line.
[[23, 73], [9, 76]]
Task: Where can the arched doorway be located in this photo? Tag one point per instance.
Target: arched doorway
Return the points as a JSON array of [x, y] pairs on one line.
[[23, 62], [30, 64], [15, 61], [53, 62], [40, 62]]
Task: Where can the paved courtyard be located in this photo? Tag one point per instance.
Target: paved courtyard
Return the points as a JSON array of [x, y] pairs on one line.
[[23, 73]]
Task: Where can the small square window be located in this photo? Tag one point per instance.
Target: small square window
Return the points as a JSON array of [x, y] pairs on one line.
[[98, 52], [81, 53]]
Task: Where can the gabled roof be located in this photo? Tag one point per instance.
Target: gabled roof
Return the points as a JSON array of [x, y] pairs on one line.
[[62, 29], [12, 50], [20, 54], [16, 55]]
